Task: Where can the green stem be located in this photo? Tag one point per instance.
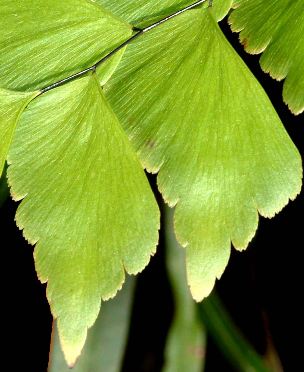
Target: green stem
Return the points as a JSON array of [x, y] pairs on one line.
[[228, 338], [186, 344]]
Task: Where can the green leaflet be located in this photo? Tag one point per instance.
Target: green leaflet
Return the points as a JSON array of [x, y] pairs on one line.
[[105, 347], [220, 8], [195, 113], [42, 42], [11, 106], [275, 28], [145, 11], [87, 203]]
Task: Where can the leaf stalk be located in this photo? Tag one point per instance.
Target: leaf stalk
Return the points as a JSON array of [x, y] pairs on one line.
[[138, 33]]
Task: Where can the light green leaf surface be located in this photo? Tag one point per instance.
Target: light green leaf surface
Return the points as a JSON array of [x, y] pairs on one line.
[[195, 113], [276, 28], [11, 106], [143, 12], [105, 347], [106, 70], [86, 203], [42, 42], [186, 345], [220, 8]]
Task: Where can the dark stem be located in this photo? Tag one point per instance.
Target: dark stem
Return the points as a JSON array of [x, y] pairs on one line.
[[138, 33], [189, 7]]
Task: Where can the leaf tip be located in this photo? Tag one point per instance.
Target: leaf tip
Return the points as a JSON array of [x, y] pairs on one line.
[[272, 211], [293, 108], [72, 347], [202, 291], [71, 354]]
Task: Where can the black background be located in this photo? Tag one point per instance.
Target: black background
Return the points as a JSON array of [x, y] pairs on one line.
[[265, 279]]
